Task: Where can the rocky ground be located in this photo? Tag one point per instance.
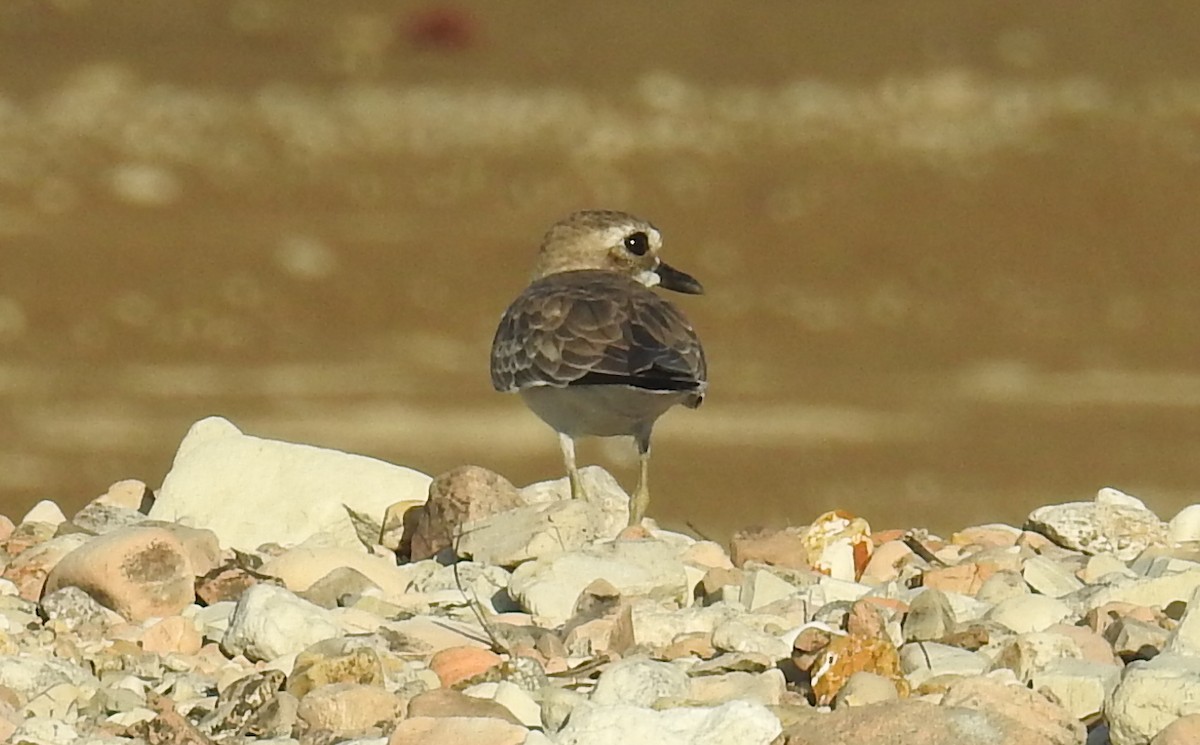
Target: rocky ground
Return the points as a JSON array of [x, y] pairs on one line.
[[272, 592]]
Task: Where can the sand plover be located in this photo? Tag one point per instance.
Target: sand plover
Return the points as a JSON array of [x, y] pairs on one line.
[[590, 348]]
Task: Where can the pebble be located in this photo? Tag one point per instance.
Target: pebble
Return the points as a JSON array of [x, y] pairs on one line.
[[596, 635]]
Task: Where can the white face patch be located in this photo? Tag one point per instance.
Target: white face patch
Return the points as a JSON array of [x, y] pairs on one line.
[[649, 277]]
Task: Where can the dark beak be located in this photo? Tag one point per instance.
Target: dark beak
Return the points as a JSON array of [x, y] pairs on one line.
[[670, 278]]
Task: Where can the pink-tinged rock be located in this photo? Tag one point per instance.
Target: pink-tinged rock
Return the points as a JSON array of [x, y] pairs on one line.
[[886, 562], [138, 572], [1036, 713], [173, 634], [1093, 646], [463, 495], [6, 527], [987, 536], [28, 571], [912, 721], [707, 555], [456, 664], [445, 703], [201, 545], [457, 731], [299, 568], [965, 578], [783, 547], [1183, 731]]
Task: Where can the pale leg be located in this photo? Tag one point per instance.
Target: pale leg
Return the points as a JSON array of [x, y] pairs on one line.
[[568, 452], [641, 495]]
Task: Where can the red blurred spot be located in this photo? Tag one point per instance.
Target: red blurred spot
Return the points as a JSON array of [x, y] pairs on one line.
[[444, 28]]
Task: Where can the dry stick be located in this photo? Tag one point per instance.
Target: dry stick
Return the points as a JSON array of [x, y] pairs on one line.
[[481, 613], [914, 543]]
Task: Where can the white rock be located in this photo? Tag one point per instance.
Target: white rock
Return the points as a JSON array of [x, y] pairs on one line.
[[922, 661], [1111, 496], [1081, 686], [548, 587], [1100, 566], [766, 688], [45, 731], [251, 491], [1105, 526], [734, 723], [601, 489], [735, 635], [639, 681], [1185, 638], [509, 695], [270, 622], [29, 675], [1049, 578], [656, 626], [515, 536], [1034, 651], [1150, 696], [864, 688], [761, 587], [45, 511], [1185, 526], [1025, 613], [1160, 591]]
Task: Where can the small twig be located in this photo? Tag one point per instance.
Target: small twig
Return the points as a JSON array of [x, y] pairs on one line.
[[914, 543], [480, 613]]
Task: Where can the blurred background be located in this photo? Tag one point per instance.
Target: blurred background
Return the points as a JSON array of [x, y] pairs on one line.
[[949, 247]]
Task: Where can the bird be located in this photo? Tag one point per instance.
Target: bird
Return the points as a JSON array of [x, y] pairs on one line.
[[591, 348]]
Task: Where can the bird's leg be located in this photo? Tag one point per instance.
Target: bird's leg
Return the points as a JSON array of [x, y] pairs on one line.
[[568, 451], [641, 495]]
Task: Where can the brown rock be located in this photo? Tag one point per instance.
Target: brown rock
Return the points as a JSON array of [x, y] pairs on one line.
[[399, 523], [777, 547], [172, 634], [458, 664], [866, 619], [696, 644], [456, 497], [335, 661], [227, 582], [846, 655], [445, 703], [457, 731], [138, 572], [29, 569], [351, 709], [1183, 731], [1037, 715]]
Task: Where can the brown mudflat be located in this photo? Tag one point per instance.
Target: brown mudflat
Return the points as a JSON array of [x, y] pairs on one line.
[[948, 248]]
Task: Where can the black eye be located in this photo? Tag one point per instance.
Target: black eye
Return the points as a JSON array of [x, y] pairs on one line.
[[637, 243]]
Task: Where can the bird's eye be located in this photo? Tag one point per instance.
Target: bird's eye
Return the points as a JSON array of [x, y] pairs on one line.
[[637, 243]]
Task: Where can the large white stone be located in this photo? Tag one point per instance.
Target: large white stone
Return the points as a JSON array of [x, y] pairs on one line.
[[1150, 696], [548, 587], [1113, 525], [639, 681], [250, 491], [270, 622], [734, 723], [515, 536], [1185, 526], [1160, 591]]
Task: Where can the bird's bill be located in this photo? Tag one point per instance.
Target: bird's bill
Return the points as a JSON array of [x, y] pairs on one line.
[[670, 278]]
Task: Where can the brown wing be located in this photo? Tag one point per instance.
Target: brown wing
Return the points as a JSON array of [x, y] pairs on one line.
[[595, 328]]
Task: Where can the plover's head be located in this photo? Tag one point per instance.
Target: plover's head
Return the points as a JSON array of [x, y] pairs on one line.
[[610, 241]]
